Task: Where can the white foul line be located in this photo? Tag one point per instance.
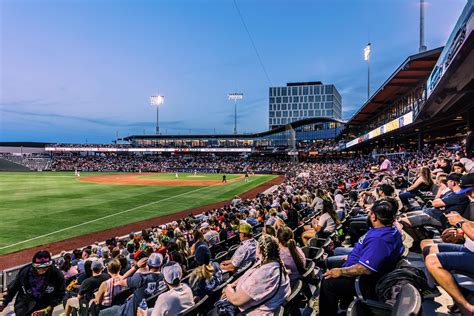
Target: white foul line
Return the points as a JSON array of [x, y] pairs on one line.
[[101, 218]]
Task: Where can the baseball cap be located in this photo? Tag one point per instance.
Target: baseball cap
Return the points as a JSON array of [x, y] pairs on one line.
[[172, 272], [245, 228], [155, 260], [42, 259], [467, 183], [454, 177], [97, 265], [202, 255], [139, 255]]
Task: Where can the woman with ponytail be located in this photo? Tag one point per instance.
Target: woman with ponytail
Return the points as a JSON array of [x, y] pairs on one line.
[[323, 225], [265, 286], [291, 255], [207, 276]]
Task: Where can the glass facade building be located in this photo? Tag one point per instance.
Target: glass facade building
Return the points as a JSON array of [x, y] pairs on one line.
[[301, 100]]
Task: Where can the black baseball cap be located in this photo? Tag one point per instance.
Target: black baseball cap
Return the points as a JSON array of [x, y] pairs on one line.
[[454, 177], [466, 183]]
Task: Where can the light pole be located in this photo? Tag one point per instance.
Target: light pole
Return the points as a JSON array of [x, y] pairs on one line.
[[157, 100], [367, 58], [235, 96], [422, 27]]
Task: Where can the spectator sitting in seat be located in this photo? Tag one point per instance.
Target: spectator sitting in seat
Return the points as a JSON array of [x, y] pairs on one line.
[[108, 289], [178, 298], [291, 255], [199, 240], [211, 235], [451, 202], [207, 276], [38, 287], [86, 253], [377, 252], [442, 184], [424, 182], [323, 225], [266, 280], [458, 167], [273, 217], [250, 218], [66, 266], [88, 287], [245, 253], [143, 284], [443, 258], [293, 217]]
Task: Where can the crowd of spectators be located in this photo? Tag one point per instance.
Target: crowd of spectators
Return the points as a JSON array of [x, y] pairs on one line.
[[362, 217], [156, 163]]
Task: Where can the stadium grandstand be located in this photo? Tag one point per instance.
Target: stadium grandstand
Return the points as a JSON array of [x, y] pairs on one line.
[[371, 216]]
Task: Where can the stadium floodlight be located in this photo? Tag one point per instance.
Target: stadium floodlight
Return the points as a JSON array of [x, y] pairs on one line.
[[157, 100], [367, 58], [234, 97]]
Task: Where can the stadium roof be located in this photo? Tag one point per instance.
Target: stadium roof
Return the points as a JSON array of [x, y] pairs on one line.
[[407, 76], [241, 136]]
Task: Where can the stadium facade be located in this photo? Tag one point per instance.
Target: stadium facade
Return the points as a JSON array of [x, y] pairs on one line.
[[301, 100]]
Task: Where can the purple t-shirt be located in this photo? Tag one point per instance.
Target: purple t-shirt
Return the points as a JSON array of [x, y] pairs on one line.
[[378, 250]]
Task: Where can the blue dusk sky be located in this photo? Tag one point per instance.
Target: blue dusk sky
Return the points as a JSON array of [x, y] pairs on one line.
[[72, 70]]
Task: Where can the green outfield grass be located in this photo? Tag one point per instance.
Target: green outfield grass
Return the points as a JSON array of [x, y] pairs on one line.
[[191, 176], [40, 208]]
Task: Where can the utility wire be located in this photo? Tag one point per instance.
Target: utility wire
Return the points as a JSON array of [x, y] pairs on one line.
[[252, 42]]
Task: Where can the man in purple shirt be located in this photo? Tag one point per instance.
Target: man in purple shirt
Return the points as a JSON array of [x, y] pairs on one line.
[[376, 253]]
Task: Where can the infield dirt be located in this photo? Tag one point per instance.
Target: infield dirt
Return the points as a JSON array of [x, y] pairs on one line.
[[137, 179]]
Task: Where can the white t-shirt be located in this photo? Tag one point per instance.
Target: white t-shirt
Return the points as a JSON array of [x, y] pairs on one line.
[[259, 283], [327, 223], [173, 302]]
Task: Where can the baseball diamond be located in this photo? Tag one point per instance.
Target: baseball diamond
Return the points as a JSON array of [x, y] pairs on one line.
[[56, 206]]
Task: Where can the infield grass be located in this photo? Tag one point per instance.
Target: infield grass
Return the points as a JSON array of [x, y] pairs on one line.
[[39, 208]]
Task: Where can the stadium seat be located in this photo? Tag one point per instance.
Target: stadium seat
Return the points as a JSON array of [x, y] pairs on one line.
[[220, 256], [233, 248], [185, 279], [319, 242], [313, 253], [365, 287], [291, 304], [215, 295], [408, 303], [200, 308], [191, 263]]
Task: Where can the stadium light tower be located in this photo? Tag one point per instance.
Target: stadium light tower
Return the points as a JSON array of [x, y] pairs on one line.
[[422, 27], [235, 96], [367, 58], [157, 100]]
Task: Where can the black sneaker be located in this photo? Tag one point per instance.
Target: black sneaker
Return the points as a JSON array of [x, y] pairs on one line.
[[431, 293]]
